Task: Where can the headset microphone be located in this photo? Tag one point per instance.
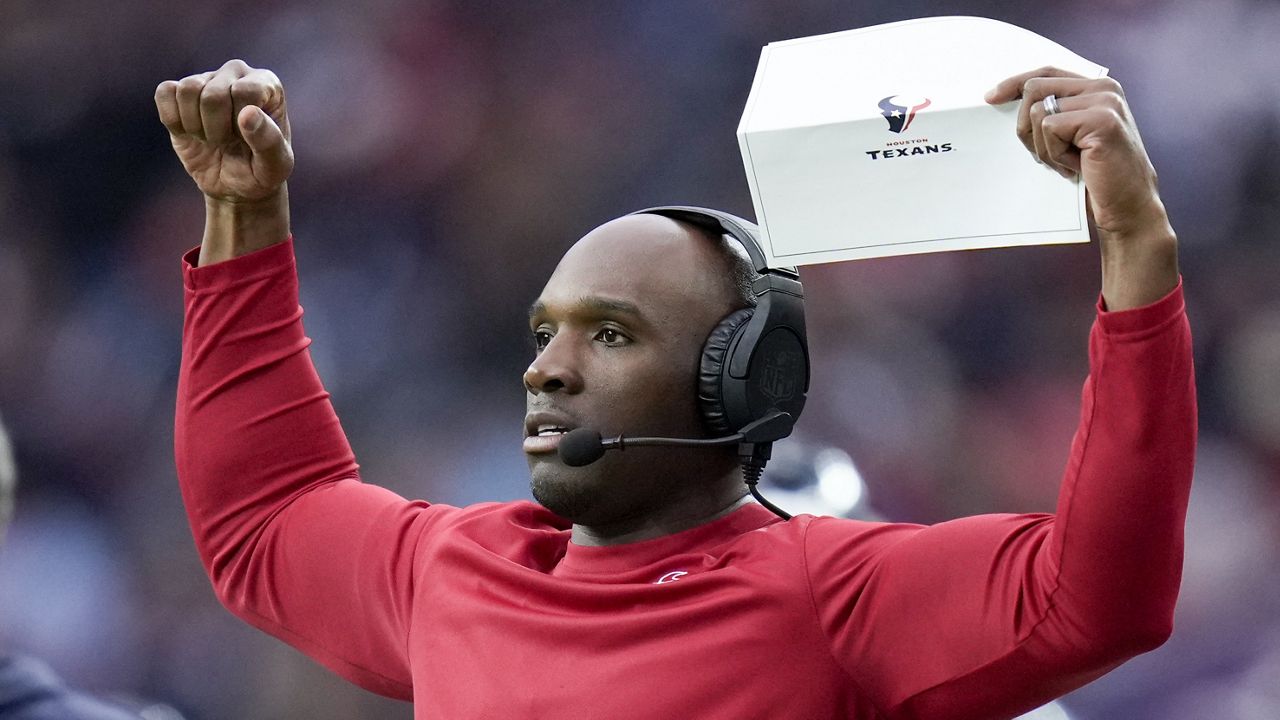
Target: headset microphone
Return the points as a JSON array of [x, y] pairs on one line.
[[581, 447], [584, 446]]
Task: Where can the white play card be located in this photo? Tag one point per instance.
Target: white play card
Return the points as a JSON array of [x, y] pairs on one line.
[[877, 142]]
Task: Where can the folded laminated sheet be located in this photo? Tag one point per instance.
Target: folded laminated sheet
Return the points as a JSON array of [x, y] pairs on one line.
[[877, 142]]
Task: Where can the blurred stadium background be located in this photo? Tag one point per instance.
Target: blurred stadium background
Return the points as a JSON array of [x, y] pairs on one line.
[[448, 153]]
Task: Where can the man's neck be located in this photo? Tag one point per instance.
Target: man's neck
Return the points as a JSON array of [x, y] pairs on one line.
[[679, 518]]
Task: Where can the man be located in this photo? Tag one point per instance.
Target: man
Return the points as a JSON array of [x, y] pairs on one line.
[[645, 585], [29, 690]]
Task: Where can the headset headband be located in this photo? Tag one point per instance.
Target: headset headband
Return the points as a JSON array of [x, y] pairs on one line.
[[722, 223]]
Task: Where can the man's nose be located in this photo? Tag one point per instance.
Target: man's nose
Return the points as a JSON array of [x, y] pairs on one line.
[[555, 368]]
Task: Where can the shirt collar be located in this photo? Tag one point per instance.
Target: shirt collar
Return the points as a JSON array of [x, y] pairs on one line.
[[617, 559]]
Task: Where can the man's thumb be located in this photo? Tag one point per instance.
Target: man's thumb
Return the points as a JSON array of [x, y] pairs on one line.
[[259, 131]]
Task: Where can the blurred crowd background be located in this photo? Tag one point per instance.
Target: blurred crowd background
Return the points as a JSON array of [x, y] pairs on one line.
[[448, 153]]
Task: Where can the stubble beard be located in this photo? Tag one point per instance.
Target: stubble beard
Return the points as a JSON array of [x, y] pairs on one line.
[[561, 493]]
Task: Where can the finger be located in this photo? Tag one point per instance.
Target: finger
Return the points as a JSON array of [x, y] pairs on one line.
[[1061, 154], [1034, 91], [189, 103], [261, 88], [215, 108], [167, 106], [1061, 151], [1036, 115], [1082, 129], [272, 157], [1011, 88]]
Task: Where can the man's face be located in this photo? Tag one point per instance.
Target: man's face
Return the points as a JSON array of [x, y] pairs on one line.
[[619, 329]]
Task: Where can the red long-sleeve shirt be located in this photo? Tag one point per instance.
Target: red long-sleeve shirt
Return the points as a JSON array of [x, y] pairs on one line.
[[490, 611]]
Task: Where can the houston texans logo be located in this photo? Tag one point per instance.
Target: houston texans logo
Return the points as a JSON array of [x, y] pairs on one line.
[[900, 110]]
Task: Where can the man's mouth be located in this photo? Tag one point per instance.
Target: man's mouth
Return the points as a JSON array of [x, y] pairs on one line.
[[543, 430]]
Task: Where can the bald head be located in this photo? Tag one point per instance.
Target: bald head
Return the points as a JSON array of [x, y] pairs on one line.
[[649, 238]]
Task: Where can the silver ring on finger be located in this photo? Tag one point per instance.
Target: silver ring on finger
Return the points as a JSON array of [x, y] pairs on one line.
[[1051, 105]]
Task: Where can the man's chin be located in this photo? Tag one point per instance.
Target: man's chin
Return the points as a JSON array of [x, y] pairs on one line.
[[565, 491]]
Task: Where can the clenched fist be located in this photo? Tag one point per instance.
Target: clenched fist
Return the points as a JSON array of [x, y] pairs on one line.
[[230, 129]]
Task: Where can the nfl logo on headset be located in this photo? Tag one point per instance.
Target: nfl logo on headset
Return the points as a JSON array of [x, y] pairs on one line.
[[780, 376]]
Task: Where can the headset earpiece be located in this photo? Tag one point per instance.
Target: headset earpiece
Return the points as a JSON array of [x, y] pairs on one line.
[[711, 371], [756, 360]]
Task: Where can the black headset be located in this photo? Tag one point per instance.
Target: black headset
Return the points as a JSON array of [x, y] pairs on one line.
[[755, 363]]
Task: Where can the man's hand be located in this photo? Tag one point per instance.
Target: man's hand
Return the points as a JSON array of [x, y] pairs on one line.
[[1094, 136], [231, 132]]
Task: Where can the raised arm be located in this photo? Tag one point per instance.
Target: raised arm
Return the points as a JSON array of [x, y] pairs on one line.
[[293, 542], [990, 616]]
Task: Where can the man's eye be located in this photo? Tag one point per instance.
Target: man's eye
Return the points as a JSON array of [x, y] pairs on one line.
[[610, 336], [541, 339]]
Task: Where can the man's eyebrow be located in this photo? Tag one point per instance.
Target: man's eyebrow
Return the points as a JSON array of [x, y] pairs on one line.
[[592, 305]]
